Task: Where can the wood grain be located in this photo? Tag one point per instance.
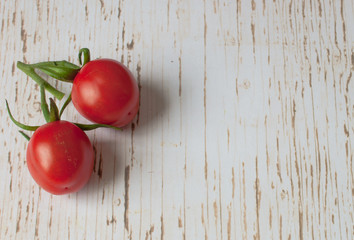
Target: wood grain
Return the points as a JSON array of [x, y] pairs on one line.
[[245, 128]]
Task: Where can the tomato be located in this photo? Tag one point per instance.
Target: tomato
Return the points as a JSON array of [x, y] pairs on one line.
[[60, 157], [105, 91]]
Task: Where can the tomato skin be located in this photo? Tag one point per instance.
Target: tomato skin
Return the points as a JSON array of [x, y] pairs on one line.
[[60, 157], [105, 91]]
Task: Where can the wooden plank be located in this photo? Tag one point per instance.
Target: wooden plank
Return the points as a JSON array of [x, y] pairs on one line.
[[245, 129]]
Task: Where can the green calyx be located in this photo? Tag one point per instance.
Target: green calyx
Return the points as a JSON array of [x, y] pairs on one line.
[[24, 135], [30, 71], [59, 70], [50, 114], [20, 125]]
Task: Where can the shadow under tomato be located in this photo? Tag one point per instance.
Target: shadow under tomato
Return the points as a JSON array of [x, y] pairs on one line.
[[107, 165], [153, 104], [117, 151]]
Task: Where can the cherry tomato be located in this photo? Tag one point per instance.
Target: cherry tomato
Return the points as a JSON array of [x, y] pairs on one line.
[[60, 157], [105, 91]]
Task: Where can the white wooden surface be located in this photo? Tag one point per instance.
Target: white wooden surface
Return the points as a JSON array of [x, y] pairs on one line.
[[245, 129]]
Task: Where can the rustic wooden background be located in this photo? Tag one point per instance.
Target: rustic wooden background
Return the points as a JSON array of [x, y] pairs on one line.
[[245, 128]]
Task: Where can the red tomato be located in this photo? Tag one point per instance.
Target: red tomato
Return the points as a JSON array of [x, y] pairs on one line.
[[104, 91], [60, 157]]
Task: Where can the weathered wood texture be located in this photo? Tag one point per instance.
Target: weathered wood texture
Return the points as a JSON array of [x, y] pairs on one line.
[[245, 129]]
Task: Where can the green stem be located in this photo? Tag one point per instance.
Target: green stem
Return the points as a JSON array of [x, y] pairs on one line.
[[25, 135], [86, 53], [40, 81], [44, 105], [54, 112], [88, 127], [18, 124], [65, 105]]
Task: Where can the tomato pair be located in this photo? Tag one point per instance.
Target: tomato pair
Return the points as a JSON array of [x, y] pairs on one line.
[[60, 157]]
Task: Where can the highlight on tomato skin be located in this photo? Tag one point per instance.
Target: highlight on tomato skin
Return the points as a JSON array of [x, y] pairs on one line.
[[60, 157], [105, 91]]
